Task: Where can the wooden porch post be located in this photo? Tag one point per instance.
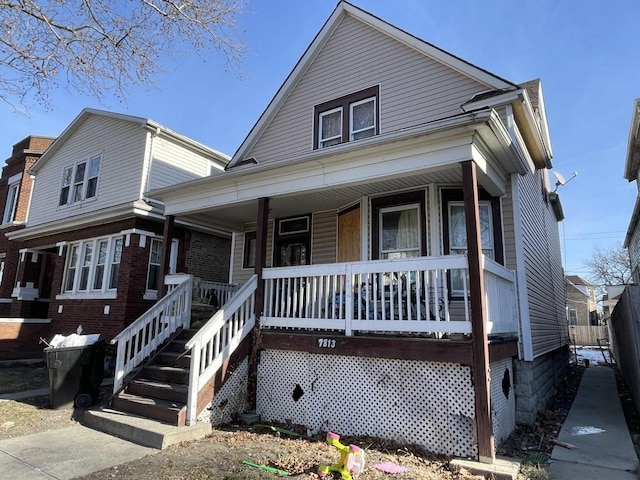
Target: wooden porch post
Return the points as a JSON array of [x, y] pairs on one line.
[[480, 344], [167, 237], [261, 255]]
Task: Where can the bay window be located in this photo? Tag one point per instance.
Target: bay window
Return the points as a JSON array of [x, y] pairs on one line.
[[93, 265]]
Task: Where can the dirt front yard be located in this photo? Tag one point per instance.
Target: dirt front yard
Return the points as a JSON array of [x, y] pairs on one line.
[[223, 454]]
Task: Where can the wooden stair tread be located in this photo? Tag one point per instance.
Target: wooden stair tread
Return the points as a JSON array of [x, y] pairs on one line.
[[152, 402], [160, 384]]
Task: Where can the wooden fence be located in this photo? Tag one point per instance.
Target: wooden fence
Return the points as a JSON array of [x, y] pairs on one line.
[[583, 335]]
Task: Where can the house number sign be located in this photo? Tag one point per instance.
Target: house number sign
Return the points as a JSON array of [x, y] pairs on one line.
[[327, 343]]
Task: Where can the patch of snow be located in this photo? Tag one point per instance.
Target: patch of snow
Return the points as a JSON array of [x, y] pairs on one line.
[[594, 355]]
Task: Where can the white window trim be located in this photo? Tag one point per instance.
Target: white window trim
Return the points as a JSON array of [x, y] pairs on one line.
[[90, 292], [85, 181], [151, 294], [353, 132], [321, 116], [399, 208]]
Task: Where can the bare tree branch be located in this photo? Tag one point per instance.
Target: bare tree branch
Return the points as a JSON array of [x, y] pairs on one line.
[[609, 266], [96, 47]]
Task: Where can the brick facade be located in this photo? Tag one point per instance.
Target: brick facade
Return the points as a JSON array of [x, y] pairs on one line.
[[208, 256]]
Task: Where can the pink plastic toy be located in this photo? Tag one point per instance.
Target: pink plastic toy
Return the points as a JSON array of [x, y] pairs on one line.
[[351, 459]]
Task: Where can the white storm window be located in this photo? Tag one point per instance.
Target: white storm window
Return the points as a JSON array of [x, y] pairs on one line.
[[458, 238], [12, 199], [400, 231], [155, 259], [362, 119], [80, 181], [330, 128], [93, 265]]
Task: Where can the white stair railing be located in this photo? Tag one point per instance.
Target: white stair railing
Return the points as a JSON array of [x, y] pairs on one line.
[[217, 340], [152, 328]]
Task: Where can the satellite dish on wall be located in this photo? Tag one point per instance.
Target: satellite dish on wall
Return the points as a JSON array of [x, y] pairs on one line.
[[561, 181]]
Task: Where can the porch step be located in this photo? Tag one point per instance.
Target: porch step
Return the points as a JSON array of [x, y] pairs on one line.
[[172, 413], [174, 392], [166, 374], [174, 359], [143, 431]]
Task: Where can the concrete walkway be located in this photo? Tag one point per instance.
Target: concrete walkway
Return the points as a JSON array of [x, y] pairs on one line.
[[596, 427], [64, 454]]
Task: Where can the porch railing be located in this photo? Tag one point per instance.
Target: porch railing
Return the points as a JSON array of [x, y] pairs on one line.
[[217, 339], [407, 295], [203, 289], [144, 335], [500, 293]]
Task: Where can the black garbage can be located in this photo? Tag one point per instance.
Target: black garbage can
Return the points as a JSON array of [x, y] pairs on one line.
[[75, 374]]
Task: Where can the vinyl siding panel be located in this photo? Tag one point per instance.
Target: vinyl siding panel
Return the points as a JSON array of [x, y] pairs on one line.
[[414, 89], [173, 164], [508, 230], [240, 274], [544, 277], [122, 146], [325, 237]]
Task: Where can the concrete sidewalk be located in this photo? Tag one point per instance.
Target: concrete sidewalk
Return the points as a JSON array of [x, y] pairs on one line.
[[64, 454], [596, 427]]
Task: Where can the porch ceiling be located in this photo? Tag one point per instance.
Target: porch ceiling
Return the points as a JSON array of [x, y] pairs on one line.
[[234, 216]]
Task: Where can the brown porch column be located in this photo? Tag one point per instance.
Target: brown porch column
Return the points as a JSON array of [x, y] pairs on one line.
[[261, 255], [480, 344], [167, 237]]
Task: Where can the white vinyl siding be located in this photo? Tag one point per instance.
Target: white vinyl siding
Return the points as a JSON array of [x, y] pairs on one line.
[[122, 146], [172, 164], [414, 89], [324, 237], [544, 276]]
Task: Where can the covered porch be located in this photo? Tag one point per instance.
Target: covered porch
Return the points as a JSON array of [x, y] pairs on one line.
[[435, 289]]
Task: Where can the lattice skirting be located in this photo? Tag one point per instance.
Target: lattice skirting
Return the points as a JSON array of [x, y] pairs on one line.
[[230, 400], [503, 399], [426, 403]]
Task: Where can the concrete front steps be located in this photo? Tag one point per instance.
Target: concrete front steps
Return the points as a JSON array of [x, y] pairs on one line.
[[143, 431]]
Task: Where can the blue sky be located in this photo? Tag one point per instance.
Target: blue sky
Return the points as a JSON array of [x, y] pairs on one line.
[[585, 52]]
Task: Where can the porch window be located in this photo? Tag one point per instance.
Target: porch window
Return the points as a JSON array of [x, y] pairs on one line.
[[80, 181], [348, 118], [12, 199], [249, 254], [155, 256], [573, 316], [154, 271], [93, 265], [400, 231], [458, 238]]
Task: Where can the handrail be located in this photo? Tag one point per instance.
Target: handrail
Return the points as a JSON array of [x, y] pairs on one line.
[[217, 340], [137, 341]]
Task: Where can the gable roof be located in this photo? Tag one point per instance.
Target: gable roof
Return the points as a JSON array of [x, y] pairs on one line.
[[578, 280], [149, 124], [493, 82]]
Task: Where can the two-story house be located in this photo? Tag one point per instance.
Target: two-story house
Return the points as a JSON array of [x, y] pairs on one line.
[[582, 304], [91, 249], [18, 328], [396, 239]]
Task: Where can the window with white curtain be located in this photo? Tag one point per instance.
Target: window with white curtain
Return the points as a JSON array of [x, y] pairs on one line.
[[400, 231], [458, 237]]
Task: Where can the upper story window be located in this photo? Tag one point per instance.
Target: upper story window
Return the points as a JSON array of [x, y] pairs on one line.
[[348, 118], [12, 199], [93, 265], [80, 181]]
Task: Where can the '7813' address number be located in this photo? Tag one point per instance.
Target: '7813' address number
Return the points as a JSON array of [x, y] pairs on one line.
[[327, 343]]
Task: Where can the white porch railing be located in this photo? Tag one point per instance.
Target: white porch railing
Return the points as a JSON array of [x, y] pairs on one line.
[[217, 339], [202, 290], [500, 294], [143, 336], [407, 295]]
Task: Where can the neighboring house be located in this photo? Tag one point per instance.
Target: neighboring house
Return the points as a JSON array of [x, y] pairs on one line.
[[582, 304], [394, 227], [91, 249], [16, 183], [632, 174]]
